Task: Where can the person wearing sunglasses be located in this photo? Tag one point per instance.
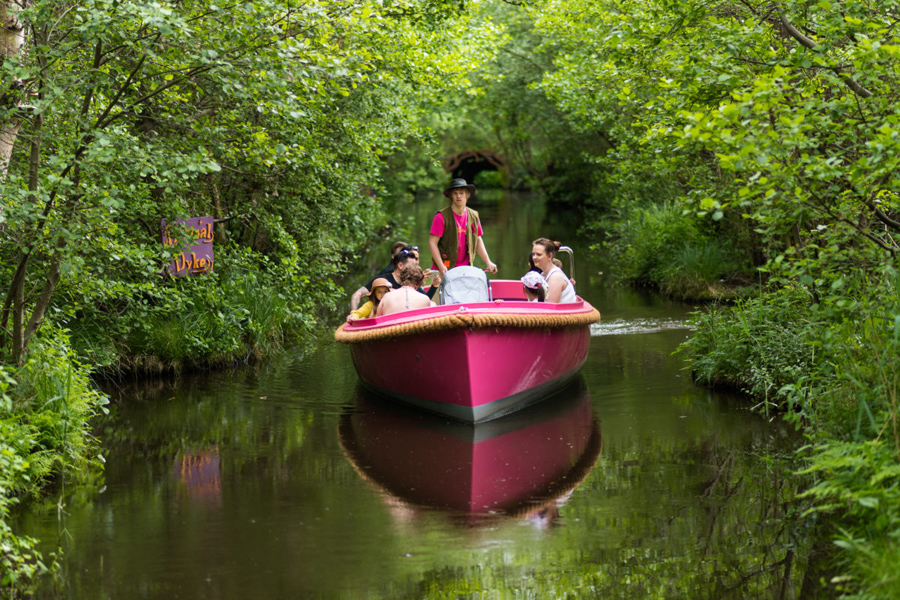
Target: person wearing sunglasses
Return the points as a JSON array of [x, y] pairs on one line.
[[405, 257], [364, 290], [411, 254], [455, 235]]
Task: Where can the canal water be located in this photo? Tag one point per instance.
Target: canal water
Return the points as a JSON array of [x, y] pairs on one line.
[[287, 481]]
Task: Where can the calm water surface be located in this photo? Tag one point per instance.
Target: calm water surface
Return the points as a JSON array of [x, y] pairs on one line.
[[287, 481]]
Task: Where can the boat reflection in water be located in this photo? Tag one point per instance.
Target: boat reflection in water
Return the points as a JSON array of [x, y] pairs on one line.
[[524, 465]]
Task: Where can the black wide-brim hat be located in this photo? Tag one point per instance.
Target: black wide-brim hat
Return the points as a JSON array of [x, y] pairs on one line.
[[459, 183]]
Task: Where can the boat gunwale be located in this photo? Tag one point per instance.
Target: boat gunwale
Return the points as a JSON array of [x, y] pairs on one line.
[[498, 307], [517, 314]]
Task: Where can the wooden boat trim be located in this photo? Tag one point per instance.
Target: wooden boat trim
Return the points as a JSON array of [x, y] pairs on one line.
[[473, 316]]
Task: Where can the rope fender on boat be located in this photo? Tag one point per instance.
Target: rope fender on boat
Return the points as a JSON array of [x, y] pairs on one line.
[[464, 319]]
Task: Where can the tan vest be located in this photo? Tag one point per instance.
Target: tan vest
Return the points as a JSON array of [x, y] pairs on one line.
[[448, 245]]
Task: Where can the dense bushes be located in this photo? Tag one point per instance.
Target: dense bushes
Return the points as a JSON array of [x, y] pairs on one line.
[[662, 246], [759, 345], [247, 306], [779, 129]]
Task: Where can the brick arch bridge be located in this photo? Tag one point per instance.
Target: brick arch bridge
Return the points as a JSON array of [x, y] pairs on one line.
[[469, 163]]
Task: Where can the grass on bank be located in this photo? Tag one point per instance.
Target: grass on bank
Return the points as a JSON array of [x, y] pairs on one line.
[[46, 407], [660, 246], [833, 368]]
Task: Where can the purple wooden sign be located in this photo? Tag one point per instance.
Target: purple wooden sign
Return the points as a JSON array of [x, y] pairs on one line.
[[196, 254]]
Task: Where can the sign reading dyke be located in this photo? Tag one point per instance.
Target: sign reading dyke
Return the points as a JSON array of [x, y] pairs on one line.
[[196, 254]]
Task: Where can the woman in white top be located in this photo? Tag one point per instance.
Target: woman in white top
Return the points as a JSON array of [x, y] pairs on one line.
[[560, 289]]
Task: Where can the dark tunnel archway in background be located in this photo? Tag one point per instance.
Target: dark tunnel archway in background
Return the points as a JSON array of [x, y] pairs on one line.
[[469, 163]]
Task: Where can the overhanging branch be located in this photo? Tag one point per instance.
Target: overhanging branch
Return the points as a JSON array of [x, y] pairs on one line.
[[811, 44]]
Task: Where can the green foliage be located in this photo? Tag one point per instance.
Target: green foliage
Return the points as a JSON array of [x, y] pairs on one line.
[[275, 117], [490, 179], [279, 119], [762, 345], [858, 482], [693, 266], [53, 403], [505, 111], [46, 407], [276, 124], [222, 318], [787, 120], [834, 366], [660, 245], [732, 112], [21, 565]]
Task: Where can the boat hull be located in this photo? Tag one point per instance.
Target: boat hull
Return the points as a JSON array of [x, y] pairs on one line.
[[470, 374]]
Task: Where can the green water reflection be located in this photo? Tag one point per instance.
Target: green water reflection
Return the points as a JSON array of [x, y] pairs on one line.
[[242, 484]]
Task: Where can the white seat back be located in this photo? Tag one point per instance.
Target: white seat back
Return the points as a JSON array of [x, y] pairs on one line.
[[465, 284]]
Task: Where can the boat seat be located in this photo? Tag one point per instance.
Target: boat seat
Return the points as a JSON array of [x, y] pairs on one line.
[[465, 284]]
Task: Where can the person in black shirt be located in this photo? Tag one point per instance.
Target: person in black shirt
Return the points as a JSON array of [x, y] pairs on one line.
[[364, 290], [404, 258]]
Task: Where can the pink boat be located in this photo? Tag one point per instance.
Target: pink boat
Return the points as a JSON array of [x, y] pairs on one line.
[[473, 361], [523, 466]]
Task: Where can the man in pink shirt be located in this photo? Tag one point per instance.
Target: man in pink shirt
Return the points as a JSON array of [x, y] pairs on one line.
[[457, 245]]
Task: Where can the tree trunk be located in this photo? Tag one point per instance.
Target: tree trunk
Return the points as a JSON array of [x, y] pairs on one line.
[[17, 288], [8, 133], [12, 40], [43, 301], [18, 310], [217, 205]]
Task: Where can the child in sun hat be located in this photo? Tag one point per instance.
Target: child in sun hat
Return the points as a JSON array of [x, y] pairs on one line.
[[534, 286], [380, 287]]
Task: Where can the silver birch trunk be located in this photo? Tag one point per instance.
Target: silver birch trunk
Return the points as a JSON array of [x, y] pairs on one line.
[[12, 42]]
